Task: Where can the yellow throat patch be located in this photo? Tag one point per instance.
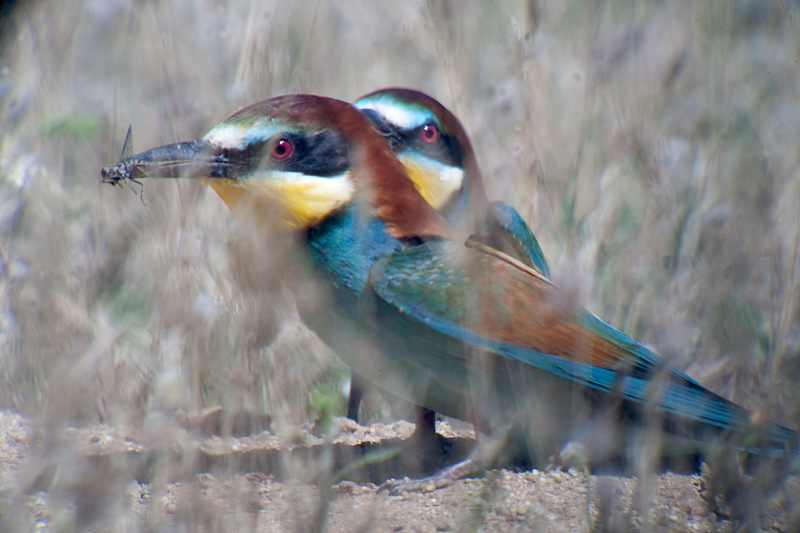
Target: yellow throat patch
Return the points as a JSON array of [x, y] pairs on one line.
[[300, 201], [435, 181]]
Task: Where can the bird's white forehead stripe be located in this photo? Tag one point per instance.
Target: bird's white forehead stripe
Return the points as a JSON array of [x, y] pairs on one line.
[[403, 116], [236, 137]]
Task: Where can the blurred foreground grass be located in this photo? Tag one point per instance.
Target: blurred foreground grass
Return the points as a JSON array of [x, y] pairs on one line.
[[652, 147]]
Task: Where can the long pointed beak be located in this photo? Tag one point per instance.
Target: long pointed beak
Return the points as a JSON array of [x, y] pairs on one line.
[[184, 159]]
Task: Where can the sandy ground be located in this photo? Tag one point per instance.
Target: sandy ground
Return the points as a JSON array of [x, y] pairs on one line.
[[114, 479]]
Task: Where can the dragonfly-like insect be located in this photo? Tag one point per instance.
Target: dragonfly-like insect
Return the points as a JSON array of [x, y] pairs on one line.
[[126, 168], [123, 170]]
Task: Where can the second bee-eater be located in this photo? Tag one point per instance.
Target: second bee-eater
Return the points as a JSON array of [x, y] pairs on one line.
[[437, 154]]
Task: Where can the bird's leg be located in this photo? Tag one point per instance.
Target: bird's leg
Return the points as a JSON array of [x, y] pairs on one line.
[[357, 386], [424, 419], [425, 422]]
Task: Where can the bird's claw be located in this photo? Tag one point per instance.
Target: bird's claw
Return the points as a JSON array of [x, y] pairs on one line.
[[427, 484], [444, 478]]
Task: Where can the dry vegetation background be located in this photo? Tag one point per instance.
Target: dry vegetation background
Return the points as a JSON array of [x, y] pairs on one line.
[[653, 147]]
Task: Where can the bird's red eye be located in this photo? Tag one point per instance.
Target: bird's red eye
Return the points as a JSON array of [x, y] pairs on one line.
[[429, 133], [282, 149]]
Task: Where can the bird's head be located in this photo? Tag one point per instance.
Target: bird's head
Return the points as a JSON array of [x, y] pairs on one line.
[[304, 157], [431, 144]]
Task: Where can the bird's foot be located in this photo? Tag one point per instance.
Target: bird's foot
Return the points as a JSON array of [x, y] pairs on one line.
[[573, 455]]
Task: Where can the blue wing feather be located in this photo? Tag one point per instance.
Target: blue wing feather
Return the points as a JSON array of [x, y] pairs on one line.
[[504, 222], [403, 281]]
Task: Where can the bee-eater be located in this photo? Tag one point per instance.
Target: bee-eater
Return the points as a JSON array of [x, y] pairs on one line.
[[458, 327], [438, 156]]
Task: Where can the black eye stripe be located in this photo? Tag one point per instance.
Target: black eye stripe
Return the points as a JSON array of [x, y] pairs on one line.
[[446, 149], [322, 154], [234, 162]]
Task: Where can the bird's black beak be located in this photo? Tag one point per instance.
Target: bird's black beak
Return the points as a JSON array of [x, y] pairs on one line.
[[184, 159]]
